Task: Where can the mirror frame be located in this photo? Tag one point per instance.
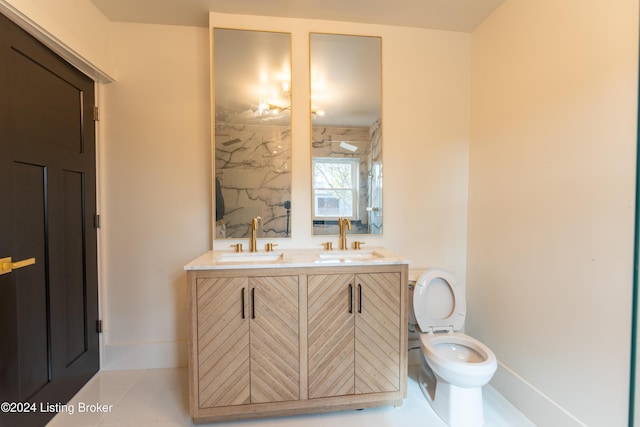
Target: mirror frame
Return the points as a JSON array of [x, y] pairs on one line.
[[341, 139], [252, 137]]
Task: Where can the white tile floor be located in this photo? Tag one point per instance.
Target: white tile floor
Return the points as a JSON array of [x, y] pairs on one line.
[[158, 397]]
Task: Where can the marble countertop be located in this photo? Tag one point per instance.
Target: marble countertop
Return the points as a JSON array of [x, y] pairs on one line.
[[288, 258]]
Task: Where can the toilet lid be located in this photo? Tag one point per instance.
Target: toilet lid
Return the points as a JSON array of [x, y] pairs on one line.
[[438, 301]]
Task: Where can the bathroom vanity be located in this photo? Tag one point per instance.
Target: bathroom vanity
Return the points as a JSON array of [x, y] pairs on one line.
[[296, 331]]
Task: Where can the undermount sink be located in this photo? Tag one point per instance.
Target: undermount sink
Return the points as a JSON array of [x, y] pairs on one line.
[[340, 255], [250, 257]]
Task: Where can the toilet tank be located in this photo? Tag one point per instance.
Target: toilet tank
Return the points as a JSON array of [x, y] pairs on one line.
[[413, 278]]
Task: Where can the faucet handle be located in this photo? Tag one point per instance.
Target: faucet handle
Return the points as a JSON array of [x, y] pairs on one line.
[[328, 246], [357, 245], [238, 247], [269, 247]]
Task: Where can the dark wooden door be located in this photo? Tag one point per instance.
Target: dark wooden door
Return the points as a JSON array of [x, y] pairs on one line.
[[48, 310]]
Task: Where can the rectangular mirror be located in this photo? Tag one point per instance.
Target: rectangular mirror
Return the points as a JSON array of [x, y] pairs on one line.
[[346, 132], [252, 93]]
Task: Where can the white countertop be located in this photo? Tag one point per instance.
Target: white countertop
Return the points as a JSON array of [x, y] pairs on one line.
[[223, 260]]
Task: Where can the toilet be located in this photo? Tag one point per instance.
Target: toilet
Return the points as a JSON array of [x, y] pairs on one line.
[[454, 366]]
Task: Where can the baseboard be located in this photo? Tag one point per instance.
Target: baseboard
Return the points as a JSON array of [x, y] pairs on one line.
[[537, 406], [144, 355]]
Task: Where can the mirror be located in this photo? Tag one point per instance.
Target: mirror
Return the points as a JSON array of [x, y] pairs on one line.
[[252, 93], [346, 128]]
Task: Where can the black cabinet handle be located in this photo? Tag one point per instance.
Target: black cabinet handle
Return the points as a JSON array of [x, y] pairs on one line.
[[242, 299], [350, 298], [359, 298], [253, 303]]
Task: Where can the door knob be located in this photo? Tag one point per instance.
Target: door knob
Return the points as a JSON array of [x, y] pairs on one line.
[[7, 265]]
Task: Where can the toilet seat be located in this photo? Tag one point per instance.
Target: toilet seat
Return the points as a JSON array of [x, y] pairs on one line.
[[460, 359], [465, 373], [448, 299]]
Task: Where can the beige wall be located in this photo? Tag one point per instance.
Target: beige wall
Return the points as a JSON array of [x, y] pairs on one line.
[[156, 190], [551, 207]]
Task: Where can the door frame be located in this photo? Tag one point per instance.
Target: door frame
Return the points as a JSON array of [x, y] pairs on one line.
[[100, 77]]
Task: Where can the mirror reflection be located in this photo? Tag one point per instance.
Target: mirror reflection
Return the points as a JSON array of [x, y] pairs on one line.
[[346, 140], [252, 93]]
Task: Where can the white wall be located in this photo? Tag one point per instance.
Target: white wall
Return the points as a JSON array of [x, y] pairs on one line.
[[157, 190], [551, 207], [157, 167]]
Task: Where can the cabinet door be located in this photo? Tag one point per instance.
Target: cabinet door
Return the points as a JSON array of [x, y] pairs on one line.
[[330, 335], [275, 340], [223, 342], [377, 337]]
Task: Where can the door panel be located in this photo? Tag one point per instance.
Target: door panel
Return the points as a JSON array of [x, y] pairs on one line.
[[47, 172], [56, 126], [76, 327], [330, 335], [378, 333], [275, 348], [30, 282], [223, 342]]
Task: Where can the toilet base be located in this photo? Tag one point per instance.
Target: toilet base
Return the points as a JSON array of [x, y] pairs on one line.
[[457, 406]]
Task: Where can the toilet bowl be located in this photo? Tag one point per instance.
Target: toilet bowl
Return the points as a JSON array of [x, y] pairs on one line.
[[455, 366]]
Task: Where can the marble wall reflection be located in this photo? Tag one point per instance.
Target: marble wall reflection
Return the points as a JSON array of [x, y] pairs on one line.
[[253, 166]]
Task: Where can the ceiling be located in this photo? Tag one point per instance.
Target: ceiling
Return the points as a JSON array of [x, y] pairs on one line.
[[452, 15]]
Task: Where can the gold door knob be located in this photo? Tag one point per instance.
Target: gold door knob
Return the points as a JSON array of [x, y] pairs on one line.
[[7, 265]]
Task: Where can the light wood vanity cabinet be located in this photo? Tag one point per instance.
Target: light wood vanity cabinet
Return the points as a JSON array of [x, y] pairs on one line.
[[283, 341]]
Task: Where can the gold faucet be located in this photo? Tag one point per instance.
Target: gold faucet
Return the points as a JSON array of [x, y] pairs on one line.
[[343, 232], [254, 228]]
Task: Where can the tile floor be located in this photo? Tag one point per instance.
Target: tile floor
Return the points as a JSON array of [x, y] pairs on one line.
[[158, 397]]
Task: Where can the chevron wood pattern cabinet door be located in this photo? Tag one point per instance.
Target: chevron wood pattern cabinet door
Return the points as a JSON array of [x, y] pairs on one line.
[[274, 339], [378, 334], [330, 335], [223, 342]]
